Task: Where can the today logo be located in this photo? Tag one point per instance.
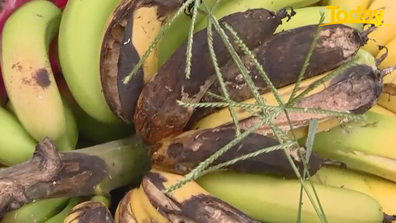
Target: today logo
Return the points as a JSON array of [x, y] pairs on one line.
[[342, 16]]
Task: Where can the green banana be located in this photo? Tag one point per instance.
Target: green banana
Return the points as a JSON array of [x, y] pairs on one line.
[[72, 130], [37, 212], [364, 146], [79, 40], [16, 145], [232, 6], [311, 16], [275, 200], [27, 73], [60, 217]]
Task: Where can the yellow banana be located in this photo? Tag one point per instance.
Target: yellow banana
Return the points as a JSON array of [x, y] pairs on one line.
[[146, 208], [382, 190], [27, 73], [233, 6], [89, 211], [176, 206], [276, 200], [364, 146], [388, 97], [124, 212], [384, 33], [36, 212], [383, 111], [79, 51]]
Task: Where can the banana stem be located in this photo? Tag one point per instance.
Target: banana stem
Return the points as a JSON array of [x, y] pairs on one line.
[[94, 170]]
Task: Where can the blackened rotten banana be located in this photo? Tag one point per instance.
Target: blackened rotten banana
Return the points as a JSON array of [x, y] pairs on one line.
[[157, 113], [190, 203], [282, 58], [183, 153], [129, 31]]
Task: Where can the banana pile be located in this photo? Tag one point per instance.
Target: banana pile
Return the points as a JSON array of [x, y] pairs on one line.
[[66, 76]]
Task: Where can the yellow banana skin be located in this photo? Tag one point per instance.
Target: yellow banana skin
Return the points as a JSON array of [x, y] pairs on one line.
[[233, 6], [124, 212], [382, 190], [275, 200], [37, 212], [16, 145], [364, 146], [27, 73], [72, 130], [79, 52]]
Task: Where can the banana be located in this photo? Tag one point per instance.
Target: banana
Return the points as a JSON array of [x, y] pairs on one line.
[[276, 200], [311, 16], [384, 33], [190, 203], [79, 52], [129, 31], [381, 110], [233, 6], [382, 190], [285, 54], [16, 144], [363, 60], [124, 212], [157, 113], [89, 211], [363, 146], [37, 212], [388, 96], [72, 130], [27, 73], [60, 217], [351, 5]]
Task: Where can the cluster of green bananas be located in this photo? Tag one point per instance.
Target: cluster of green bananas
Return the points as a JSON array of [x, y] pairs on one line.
[[100, 42]]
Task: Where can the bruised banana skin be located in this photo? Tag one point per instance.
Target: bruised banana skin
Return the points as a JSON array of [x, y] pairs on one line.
[[157, 113], [360, 83], [124, 212], [275, 200], [282, 58], [183, 153], [190, 203], [89, 211], [129, 31], [27, 73]]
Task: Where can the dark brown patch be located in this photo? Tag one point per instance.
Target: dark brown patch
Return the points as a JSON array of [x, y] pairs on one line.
[[183, 153], [42, 78], [92, 212], [157, 113]]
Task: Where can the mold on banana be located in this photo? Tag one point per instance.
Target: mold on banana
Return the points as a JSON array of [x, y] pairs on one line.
[[355, 90], [198, 208], [157, 113], [90, 211], [183, 153], [282, 58]]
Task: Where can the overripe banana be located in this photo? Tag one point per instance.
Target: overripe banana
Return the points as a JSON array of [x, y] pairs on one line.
[[311, 16], [233, 6], [89, 211], [60, 217], [79, 52], [124, 212], [37, 212], [364, 146], [157, 113], [129, 31], [71, 125], [363, 65], [388, 96], [190, 203], [276, 200], [27, 73], [384, 33], [384, 191], [16, 145], [282, 58]]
